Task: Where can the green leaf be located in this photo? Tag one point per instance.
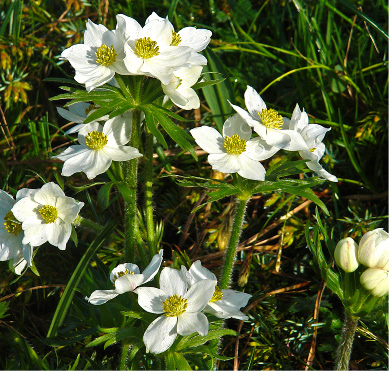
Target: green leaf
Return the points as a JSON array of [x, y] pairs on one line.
[[100, 112], [200, 340], [152, 125], [170, 361], [218, 195], [204, 84], [67, 296], [181, 362], [103, 195], [147, 317]]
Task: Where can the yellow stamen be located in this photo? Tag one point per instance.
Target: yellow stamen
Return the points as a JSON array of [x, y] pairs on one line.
[[48, 213], [217, 295], [96, 140], [234, 144], [11, 224], [146, 48], [121, 274], [271, 118], [312, 150], [105, 55], [176, 39], [174, 305]]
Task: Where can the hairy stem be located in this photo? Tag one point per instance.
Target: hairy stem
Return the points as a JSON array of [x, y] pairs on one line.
[[240, 211], [148, 159], [346, 342]]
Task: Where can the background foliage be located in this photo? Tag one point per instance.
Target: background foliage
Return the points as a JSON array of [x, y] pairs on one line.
[[330, 57]]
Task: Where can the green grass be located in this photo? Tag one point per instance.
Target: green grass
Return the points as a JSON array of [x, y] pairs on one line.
[[330, 57]]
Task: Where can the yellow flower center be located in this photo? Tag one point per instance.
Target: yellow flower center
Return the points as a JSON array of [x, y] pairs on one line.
[[312, 150], [105, 55], [121, 274], [49, 213], [176, 39], [96, 140], [146, 48], [90, 108], [11, 224], [174, 305], [234, 145], [271, 118], [217, 295]]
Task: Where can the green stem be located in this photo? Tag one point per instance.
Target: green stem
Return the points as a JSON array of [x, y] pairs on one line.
[[229, 260], [148, 159], [346, 342], [130, 177], [123, 358]]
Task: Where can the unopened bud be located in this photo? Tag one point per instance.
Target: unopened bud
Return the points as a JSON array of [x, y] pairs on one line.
[[346, 254], [376, 281], [373, 250]]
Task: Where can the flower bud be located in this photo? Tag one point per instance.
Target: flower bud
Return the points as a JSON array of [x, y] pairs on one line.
[[346, 254], [376, 281], [373, 250]]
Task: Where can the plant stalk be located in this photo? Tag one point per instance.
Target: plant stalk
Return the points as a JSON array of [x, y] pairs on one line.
[[229, 260], [148, 159], [346, 342]]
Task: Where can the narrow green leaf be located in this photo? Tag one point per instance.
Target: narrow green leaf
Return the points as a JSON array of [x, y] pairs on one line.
[[170, 361], [181, 362], [103, 195], [152, 125], [100, 112], [200, 340]]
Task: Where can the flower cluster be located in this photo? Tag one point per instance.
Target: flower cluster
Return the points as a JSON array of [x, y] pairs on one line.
[[35, 217], [235, 152], [182, 297], [371, 252]]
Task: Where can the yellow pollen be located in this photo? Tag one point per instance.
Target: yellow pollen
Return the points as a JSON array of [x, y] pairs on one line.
[[174, 305], [96, 140], [146, 48], [90, 108], [312, 150], [121, 274], [49, 213], [271, 118], [234, 145], [105, 55], [176, 39], [217, 295], [11, 224], [179, 83]]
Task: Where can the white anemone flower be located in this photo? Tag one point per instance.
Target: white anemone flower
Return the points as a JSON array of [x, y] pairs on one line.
[[127, 277], [180, 91], [312, 134], [11, 234], [234, 151], [99, 57], [78, 113], [179, 308], [268, 123], [99, 146], [47, 216], [149, 51], [224, 303]]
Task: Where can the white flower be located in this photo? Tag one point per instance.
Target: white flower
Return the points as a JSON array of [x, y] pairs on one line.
[[268, 123], [127, 277], [346, 254], [224, 303], [179, 89], [180, 309], [11, 234], [373, 249], [99, 146], [98, 58], [376, 281], [234, 152], [47, 215], [312, 135], [77, 113], [149, 50]]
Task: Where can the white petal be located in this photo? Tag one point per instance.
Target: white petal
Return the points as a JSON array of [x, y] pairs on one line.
[[129, 25], [25, 192], [122, 268], [99, 297], [128, 282], [197, 273], [314, 134], [245, 115], [48, 193], [209, 139], [297, 142], [58, 233], [25, 208], [298, 121], [152, 269], [276, 138], [97, 163], [250, 169], [258, 149], [224, 162], [159, 30], [199, 295], [171, 282], [197, 39], [236, 125], [189, 76], [224, 312], [254, 102], [188, 323], [70, 116], [118, 129], [68, 208], [151, 299], [94, 34], [120, 153], [160, 334], [235, 298]]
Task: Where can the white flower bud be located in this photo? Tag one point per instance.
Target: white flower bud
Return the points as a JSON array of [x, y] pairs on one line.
[[373, 249], [346, 254], [376, 281]]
